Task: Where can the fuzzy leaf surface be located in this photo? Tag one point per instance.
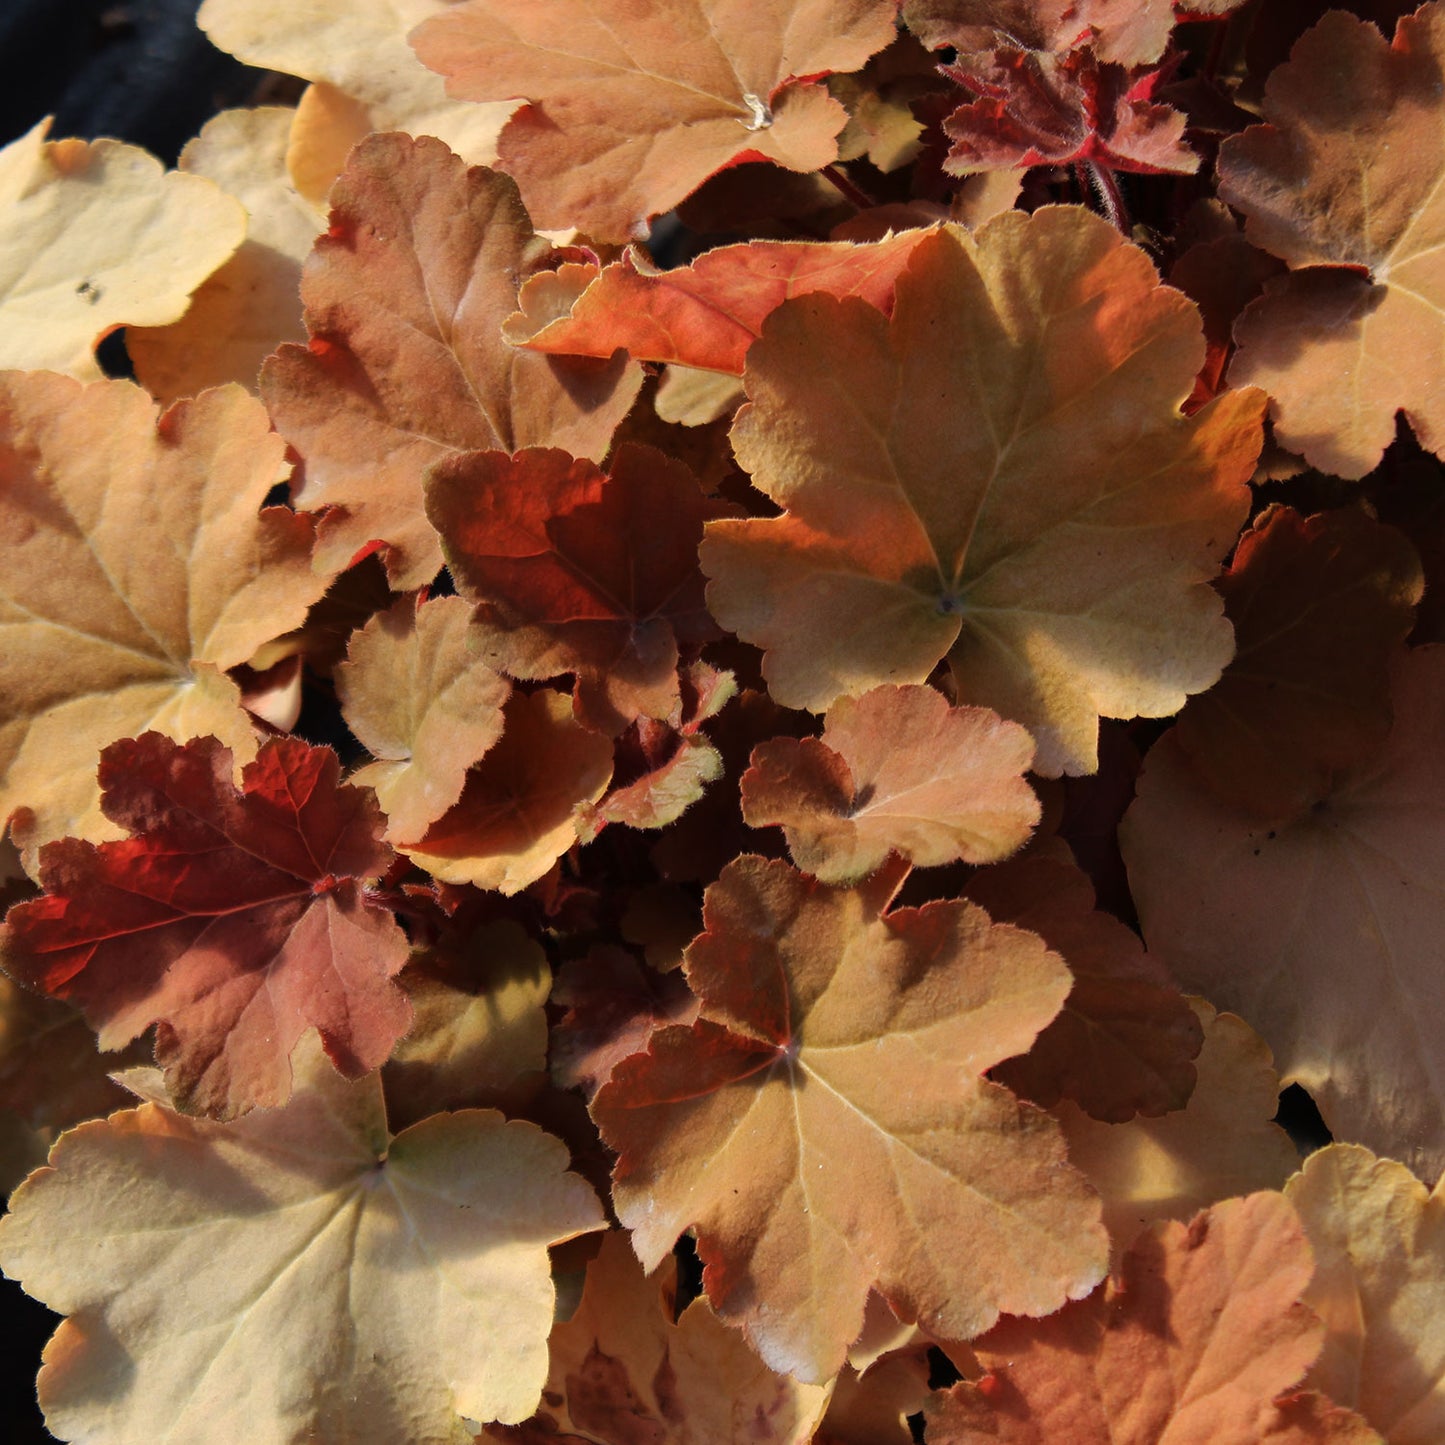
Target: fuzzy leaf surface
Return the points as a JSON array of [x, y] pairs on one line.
[[1013, 487], [300, 1274], [232, 918], [824, 1122], [633, 108]]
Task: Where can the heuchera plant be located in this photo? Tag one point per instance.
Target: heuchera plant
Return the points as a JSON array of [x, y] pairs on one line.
[[737, 684]]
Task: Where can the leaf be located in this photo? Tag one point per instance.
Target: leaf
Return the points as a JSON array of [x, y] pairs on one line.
[[1126, 1039], [1379, 1285], [1323, 931], [1033, 108], [632, 110], [1319, 606], [823, 1124], [1221, 1143], [1343, 183], [250, 306], [405, 297], [706, 314], [97, 235], [519, 808], [312, 1276], [623, 1371], [1016, 490], [358, 53], [137, 570], [897, 770], [1195, 1341], [576, 570], [424, 704], [234, 919]]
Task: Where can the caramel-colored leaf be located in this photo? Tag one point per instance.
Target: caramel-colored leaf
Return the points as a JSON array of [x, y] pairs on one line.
[[899, 771], [97, 235], [632, 109], [405, 297], [139, 565], [424, 703], [1324, 931], [824, 1123], [298, 1274], [1014, 488], [1344, 183]]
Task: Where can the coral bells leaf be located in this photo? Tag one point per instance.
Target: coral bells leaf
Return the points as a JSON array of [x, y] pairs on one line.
[[233, 919], [824, 1125], [633, 107], [299, 1274], [896, 770], [1345, 184], [1195, 1341], [998, 474]]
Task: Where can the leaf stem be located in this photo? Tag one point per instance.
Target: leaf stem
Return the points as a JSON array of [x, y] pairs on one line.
[[846, 185], [1105, 186]]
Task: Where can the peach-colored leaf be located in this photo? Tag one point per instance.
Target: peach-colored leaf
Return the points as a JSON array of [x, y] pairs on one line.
[[1344, 183], [1221, 1143], [356, 51], [139, 566], [251, 305], [1199, 1335], [1379, 1285], [895, 771], [233, 919], [1319, 605], [624, 1372], [97, 235], [424, 704], [1126, 1039], [520, 806], [405, 297], [1016, 490], [633, 108], [300, 1274], [824, 1122], [705, 314], [576, 570], [1130, 32], [1324, 931]]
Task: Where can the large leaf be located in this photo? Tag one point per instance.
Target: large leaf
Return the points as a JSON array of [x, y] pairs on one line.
[[234, 919], [300, 1274], [1015, 490], [633, 108], [824, 1128]]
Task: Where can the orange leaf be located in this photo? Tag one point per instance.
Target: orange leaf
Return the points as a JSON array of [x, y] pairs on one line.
[[1194, 1342], [1344, 183], [824, 1121], [897, 770], [405, 297], [1015, 490], [633, 109]]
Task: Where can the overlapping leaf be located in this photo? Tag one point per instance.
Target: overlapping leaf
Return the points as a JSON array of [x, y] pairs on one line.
[[705, 314], [97, 235], [899, 771], [633, 109], [298, 1274], [405, 297], [425, 705], [1323, 931], [576, 570], [623, 1371], [139, 565], [233, 919], [1200, 1335], [1014, 489], [1344, 183], [823, 1125]]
